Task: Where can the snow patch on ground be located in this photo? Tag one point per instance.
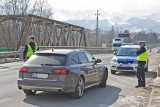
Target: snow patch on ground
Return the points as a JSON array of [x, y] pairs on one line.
[[131, 101]]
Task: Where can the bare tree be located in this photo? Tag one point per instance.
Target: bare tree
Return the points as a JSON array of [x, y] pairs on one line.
[[21, 7], [12, 30], [42, 8], [24, 6], [10, 7]]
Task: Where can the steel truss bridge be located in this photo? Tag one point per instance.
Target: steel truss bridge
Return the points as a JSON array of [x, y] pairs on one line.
[[15, 29]]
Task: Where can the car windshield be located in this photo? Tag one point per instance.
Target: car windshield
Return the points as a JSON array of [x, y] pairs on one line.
[[117, 44], [47, 59], [127, 51]]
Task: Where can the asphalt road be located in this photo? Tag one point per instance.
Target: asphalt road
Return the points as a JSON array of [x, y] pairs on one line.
[[119, 91]]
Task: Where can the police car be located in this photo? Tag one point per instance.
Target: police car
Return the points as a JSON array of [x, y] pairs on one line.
[[125, 59]]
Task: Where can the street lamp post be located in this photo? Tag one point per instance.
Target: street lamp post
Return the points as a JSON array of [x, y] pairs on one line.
[[97, 14]]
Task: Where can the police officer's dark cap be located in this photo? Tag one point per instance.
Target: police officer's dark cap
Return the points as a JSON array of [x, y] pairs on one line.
[[31, 37], [142, 42]]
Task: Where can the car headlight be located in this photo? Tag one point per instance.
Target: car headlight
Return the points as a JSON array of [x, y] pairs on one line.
[[114, 61]]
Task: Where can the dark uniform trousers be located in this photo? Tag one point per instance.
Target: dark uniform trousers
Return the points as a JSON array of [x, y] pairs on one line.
[[141, 73]]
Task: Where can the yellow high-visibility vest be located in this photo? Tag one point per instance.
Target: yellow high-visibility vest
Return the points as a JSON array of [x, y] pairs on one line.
[[30, 51], [143, 56]]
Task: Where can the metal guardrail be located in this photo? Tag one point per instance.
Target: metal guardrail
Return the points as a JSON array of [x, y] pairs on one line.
[[17, 55], [93, 50], [10, 56]]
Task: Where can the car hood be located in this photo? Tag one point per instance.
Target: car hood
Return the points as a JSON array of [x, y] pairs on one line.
[[126, 58]]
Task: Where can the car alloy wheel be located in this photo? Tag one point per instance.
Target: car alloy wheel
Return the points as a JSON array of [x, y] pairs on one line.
[[80, 87], [79, 91]]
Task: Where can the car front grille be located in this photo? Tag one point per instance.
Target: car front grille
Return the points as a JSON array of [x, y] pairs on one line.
[[125, 62], [125, 68]]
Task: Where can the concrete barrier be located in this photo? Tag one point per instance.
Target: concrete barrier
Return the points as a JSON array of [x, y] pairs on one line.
[[158, 71], [154, 100]]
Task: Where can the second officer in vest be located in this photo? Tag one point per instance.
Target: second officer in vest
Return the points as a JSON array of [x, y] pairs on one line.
[[142, 56], [30, 48]]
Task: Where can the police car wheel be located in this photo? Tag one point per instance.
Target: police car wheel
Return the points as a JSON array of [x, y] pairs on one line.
[[113, 72]]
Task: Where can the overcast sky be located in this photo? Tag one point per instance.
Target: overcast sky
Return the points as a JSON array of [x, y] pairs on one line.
[[110, 6]]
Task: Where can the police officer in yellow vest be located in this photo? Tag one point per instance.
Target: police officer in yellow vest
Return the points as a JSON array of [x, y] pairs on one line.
[[142, 56], [30, 48]]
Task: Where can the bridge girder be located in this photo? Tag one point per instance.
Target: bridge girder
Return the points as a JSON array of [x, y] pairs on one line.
[[15, 29]]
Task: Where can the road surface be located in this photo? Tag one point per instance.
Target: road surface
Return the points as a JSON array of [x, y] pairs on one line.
[[120, 91]]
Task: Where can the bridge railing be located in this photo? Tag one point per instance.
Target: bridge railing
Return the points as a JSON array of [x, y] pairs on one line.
[[17, 55], [93, 50], [10, 56]]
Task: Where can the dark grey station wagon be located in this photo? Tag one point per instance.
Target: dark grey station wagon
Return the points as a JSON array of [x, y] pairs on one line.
[[62, 70]]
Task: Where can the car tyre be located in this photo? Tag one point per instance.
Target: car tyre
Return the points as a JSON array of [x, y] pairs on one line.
[[113, 72], [104, 79], [29, 92], [79, 91]]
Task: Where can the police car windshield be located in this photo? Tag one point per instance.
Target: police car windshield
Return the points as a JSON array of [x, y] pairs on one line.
[[123, 51], [116, 44]]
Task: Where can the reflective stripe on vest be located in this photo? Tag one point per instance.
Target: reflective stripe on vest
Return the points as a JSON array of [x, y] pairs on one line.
[[30, 51], [143, 56]]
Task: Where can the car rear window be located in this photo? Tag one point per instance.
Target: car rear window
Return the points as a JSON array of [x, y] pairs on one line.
[[47, 59]]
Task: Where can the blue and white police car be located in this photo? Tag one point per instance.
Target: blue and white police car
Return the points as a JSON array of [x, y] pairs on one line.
[[125, 59]]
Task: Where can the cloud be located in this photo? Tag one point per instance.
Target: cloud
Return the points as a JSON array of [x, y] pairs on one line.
[[110, 6]]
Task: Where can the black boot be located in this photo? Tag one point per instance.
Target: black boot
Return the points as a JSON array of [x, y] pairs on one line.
[[143, 85], [138, 86]]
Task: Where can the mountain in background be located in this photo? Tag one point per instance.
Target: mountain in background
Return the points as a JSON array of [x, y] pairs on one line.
[[131, 22]]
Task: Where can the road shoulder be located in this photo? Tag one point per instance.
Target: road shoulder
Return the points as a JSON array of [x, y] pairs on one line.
[[154, 100]]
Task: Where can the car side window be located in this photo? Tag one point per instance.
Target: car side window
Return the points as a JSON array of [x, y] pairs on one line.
[[91, 59], [74, 59], [82, 58]]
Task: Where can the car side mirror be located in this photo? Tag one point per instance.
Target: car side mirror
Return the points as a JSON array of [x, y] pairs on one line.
[[98, 61], [80, 63], [114, 52]]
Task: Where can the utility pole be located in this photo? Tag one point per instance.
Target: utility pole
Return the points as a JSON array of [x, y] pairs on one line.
[[97, 14]]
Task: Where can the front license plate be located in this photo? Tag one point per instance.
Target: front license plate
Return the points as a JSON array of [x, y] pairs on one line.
[[124, 65], [37, 75]]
